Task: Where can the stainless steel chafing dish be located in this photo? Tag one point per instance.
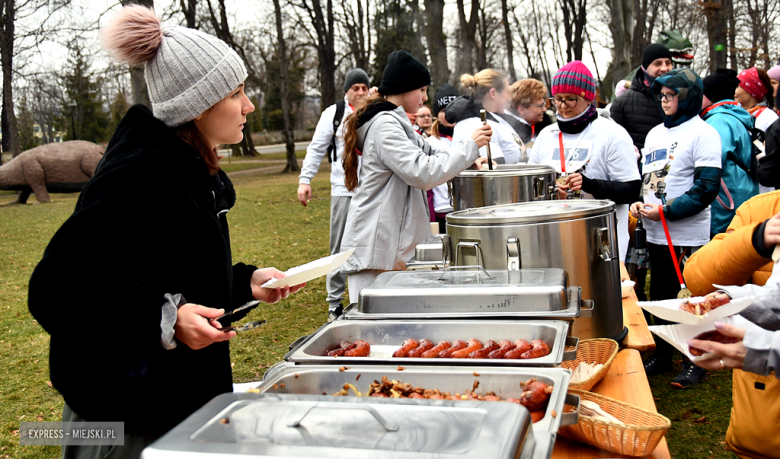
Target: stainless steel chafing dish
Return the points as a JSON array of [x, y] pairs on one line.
[[428, 255], [386, 336], [316, 426], [507, 184], [469, 294], [287, 377]]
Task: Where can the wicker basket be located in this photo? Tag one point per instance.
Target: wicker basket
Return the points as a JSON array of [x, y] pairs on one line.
[[639, 437], [597, 350]]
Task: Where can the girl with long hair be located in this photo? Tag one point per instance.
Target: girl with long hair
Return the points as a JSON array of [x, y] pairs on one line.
[[754, 93], [388, 215]]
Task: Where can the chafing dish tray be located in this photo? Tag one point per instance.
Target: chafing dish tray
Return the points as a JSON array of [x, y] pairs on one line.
[[316, 426], [430, 249], [286, 377], [472, 294], [386, 336]]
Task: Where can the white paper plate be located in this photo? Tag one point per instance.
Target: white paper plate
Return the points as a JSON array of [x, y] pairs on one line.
[[670, 310], [309, 271], [679, 335]]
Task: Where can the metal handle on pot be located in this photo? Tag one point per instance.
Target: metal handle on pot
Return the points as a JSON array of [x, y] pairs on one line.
[[553, 189], [538, 187], [468, 245], [586, 310], [603, 236], [572, 354], [459, 268], [569, 419], [382, 420], [513, 254]]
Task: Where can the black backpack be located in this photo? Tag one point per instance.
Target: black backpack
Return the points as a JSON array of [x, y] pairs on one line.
[[340, 107]]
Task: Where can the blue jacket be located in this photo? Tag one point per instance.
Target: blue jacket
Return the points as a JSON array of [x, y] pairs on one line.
[[732, 123]]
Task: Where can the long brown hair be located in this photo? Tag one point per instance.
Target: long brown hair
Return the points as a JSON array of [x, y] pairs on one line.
[[190, 133], [349, 159], [769, 97]]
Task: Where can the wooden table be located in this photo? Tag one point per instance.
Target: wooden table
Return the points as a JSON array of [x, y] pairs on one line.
[[625, 381], [639, 336]]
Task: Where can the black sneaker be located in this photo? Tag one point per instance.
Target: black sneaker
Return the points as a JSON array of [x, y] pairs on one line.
[[657, 365], [691, 375], [334, 314]]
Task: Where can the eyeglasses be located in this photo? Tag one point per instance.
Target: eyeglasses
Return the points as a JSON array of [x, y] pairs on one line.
[[424, 116], [669, 97], [571, 103], [542, 106]]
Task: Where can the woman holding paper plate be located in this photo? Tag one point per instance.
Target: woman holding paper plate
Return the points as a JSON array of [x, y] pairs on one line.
[[130, 286], [599, 156], [389, 215]]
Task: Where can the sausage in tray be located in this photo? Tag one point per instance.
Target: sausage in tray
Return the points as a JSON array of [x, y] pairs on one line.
[[474, 349]]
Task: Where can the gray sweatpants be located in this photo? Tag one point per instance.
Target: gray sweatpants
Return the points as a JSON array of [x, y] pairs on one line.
[[132, 448], [336, 282]]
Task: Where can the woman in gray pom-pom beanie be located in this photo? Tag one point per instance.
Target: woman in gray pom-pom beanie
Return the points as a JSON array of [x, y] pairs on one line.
[[132, 285]]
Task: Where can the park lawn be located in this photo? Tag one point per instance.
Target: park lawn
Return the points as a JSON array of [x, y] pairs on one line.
[[268, 228]]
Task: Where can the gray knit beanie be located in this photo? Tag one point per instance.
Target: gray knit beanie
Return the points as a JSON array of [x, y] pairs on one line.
[[186, 71]]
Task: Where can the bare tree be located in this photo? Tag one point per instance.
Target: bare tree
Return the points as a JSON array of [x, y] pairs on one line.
[[717, 13], [437, 40], [356, 26], [621, 26], [510, 48], [574, 20], [9, 127], [189, 8], [292, 161], [467, 31], [323, 23]]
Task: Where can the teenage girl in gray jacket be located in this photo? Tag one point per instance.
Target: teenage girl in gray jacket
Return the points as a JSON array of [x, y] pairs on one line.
[[388, 215]]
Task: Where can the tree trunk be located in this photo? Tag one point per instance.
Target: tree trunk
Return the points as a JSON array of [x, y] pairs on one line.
[[437, 41], [717, 25], [621, 26], [189, 8], [467, 32], [574, 18], [7, 116], [510, 46], [292, 161], [140, 92]]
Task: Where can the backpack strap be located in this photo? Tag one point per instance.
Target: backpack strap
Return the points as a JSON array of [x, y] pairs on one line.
[[340, 107]]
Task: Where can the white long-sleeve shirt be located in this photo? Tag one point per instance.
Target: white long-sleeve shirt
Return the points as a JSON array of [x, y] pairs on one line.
[[318, 149]]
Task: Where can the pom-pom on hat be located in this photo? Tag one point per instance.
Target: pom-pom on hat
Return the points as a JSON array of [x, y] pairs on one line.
[[574, 78], [186, 71], [774, 72], [403, 73]]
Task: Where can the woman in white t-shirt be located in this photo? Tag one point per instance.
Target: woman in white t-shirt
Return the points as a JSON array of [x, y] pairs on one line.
[[754, 93], [488, 89], [598, 153], [682, 169]]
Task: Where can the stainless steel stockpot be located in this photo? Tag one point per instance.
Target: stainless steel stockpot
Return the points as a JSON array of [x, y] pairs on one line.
[[578, 236], [507, 184]]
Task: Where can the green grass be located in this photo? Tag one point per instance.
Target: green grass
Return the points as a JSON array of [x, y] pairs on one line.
[[268, 228]]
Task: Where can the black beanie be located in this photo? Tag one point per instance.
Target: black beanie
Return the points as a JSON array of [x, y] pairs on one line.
[[720, 85], [653, 52], [355, 76], [403, 73], [444, 95]]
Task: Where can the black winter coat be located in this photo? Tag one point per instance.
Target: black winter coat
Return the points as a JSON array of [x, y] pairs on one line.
[[145, 225], [637, 110], [769, 165]]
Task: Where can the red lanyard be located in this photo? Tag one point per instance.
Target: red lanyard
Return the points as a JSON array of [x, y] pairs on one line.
[[725, 102], [563, 156], [671, 247]]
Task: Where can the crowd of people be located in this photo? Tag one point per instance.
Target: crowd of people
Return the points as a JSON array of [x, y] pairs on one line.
[[682, 154]]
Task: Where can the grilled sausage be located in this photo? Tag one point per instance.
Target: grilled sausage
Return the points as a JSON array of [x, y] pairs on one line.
[[535, 395], [456, 346], [521, 346], [405, 348], [504, 347], [490, 346], [540, 349], [434, 352], [361, 349], [474, 345], [711, 302], [425, 345], [712, 335], [537, 416], [343, 348]]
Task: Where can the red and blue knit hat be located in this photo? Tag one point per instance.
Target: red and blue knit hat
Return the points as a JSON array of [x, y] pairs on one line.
[[574, 78]]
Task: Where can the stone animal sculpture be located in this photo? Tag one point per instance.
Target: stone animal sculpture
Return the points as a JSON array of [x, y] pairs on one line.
[[63, 167]]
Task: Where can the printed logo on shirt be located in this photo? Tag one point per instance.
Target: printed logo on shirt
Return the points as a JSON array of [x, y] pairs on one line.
[[577, 156], [657, 162]]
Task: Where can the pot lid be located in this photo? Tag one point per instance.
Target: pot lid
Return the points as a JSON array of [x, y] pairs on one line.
[[531, 212], [511, 170]]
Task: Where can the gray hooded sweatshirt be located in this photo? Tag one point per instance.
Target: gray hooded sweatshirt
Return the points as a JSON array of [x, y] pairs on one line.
[[388, 215]]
